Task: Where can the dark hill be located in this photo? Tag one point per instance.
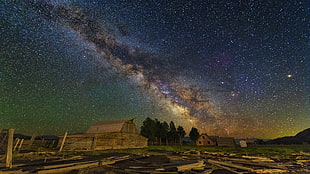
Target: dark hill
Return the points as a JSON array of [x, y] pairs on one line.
[[299, 138], [305, 134]]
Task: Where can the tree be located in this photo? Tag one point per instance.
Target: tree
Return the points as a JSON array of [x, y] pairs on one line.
[[194, 134], [172, 134], [172, 127], [181, 133], [164, 128], [161, 130], [148, 129], [157, 131]]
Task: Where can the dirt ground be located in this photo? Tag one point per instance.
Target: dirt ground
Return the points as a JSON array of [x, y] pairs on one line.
[[171, 162]]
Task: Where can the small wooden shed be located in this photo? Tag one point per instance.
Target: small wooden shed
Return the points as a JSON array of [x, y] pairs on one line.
[[226, 141], [205, 140], [115, 134]]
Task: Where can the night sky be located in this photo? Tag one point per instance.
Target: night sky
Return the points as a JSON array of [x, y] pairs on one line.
[[229, 68]]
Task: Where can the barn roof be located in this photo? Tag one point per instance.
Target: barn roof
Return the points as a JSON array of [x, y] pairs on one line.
[[204, 134], [214, 138], [108, 126]]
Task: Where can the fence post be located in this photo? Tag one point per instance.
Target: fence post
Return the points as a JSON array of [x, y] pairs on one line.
[[33, 137], [9, 152], [94, 143], [63, 141]]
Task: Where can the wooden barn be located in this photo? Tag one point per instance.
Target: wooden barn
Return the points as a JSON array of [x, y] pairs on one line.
[[205, 140], [115, 134]]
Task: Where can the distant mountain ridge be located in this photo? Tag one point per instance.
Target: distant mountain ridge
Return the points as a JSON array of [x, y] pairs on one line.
[[299, 138]]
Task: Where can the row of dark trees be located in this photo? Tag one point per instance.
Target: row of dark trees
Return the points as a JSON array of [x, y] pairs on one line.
[[163, 133]]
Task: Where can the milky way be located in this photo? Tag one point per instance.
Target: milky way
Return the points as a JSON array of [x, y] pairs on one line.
[[229, 68]]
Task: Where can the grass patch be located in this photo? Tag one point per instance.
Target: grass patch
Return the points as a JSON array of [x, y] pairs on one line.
[[252, 150], [284, 151]]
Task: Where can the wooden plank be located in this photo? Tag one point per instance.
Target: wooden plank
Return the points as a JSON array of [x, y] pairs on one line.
[[259, 164], [20, 145], [108, 161], [63, 141], [69, 164], [12, 172], [52, 144], [67, 169], [61, 168], [9, 152], [191, 166], [133, 171], [230, 165], [262, 163], [33, 137], [227, 168], [17, 141]]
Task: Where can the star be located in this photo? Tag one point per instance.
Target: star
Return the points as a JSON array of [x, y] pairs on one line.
[[63, 66]]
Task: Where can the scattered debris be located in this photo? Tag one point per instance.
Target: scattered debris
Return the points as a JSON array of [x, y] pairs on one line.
[[188, 162]]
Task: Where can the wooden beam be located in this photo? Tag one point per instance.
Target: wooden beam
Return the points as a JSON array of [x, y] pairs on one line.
[[17, 141], [62, 168], [52, 144], [230, 165], [68, 169], [32, 140], [227, 168], [3, 139], [20, 145], [9, 152], [198, 164], [63, 141], [94, 143]]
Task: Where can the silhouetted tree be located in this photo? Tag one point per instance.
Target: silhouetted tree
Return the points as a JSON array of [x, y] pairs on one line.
[[148, 129], [172, 134], [172, 127], [194, 134], [164, 128], [157, 131], [161, 130], [181, 133]]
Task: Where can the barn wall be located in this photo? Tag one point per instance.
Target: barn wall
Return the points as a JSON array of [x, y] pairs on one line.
[[76, 143], [104, 141], [120, 141]]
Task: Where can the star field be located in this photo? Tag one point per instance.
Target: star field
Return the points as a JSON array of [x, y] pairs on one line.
[[230, 68]]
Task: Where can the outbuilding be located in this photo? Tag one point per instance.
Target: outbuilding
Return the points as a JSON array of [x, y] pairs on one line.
[[205, 140], [115, 134], [226, 141]]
